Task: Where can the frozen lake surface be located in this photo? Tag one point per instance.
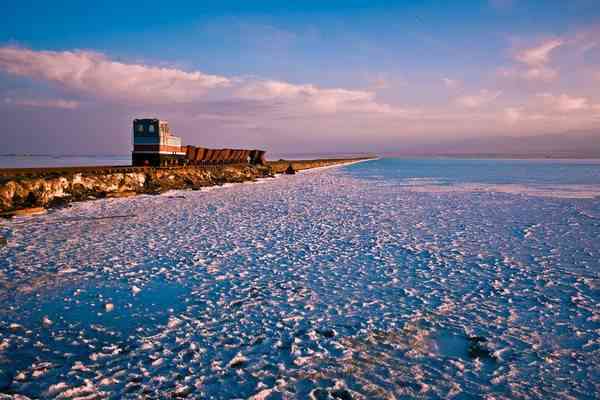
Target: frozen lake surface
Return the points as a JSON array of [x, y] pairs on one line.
[[383, 279]]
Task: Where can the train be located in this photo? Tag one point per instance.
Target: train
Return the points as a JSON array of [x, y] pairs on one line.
[[155, 145]]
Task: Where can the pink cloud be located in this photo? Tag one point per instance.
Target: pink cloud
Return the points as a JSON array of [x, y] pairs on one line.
[[49, 103], [541, 73], [538, 55], [313, 97], [235, 104], [534, 62], [451, 83], [480, 99], [96, 75], [513, 114], [565, 103], [93, 73]]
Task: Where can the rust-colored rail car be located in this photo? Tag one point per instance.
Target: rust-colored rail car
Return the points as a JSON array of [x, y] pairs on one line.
[[225, 155], [155, 145], [245, 155], [214, 157], [199, 156], [234, 156], [240, 156], [189, 152], [257, 157], [221, 156], [207, 155]]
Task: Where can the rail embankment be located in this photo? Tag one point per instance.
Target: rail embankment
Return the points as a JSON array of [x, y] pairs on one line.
[[36, 189], [279, 167]]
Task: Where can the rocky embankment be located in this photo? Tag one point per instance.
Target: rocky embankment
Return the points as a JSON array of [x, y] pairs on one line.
[[30, 191], [279, 167]]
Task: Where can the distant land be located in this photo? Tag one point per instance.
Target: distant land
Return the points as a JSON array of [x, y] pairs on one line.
[[578, 145]]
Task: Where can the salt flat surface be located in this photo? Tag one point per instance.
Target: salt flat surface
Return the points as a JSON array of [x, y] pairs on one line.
[[352, 282]]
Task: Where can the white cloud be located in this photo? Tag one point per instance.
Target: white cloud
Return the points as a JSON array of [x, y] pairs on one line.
[[539, 55], [534, 62], [317, 99], [268, 105], [542, 73], [477, 100], [565, 103], [513, 114], [451, 83], [95, 74], [44, 103]]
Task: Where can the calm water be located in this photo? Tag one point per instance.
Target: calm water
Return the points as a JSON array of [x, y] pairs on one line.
[[61, 161], [388, 278]]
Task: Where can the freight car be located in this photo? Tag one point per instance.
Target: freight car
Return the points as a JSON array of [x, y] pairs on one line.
[[154, 145]]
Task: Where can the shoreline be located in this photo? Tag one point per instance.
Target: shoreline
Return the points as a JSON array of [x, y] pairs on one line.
[[30, 191], [345, 164], [262, 180]]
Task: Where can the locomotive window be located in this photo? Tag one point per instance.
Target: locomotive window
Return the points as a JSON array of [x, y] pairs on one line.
[[151, 128], [140, 128]]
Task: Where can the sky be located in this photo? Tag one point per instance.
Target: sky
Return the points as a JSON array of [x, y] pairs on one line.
[[302, 76]]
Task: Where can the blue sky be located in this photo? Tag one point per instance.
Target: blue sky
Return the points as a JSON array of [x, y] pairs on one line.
[[305, 76]]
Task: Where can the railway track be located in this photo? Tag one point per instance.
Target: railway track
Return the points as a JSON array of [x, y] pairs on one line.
[[105, 169], [40, 172]]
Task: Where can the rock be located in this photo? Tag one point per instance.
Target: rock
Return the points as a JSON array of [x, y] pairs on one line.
[[14, 328], [60, 202], [3, 241], [290, 170], [135, 290], [127, 193], [24, 212], [32, 193]]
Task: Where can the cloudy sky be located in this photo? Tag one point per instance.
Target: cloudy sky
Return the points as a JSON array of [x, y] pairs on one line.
[[296, 76]]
